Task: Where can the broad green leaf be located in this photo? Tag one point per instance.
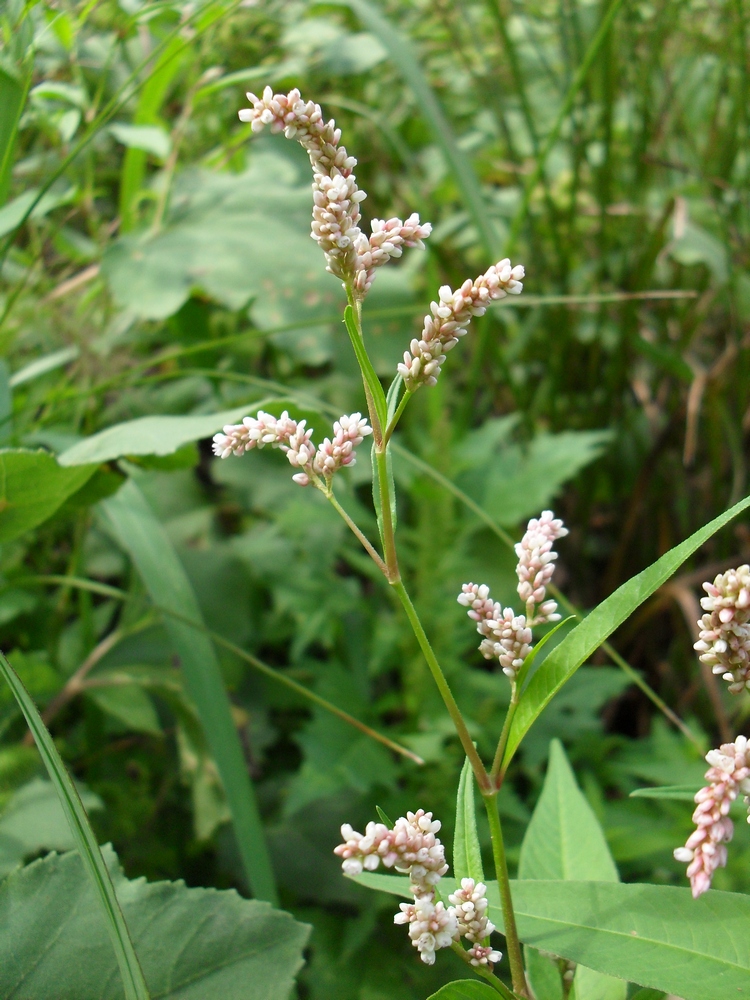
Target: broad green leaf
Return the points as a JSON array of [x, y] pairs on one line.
[[32, 487], [565, 841], [467, 854], [151, 435], [108, 915], [232, 245], [653, 935], [33, 820], [142, 536], [149, 138], [579, 644], [648, 994], [522, 480], [13, 214], [194, 944], [129, 704], [465, 989]]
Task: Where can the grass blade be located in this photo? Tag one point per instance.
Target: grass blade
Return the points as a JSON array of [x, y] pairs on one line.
[[132, 977], [144, 539], [405, 60]]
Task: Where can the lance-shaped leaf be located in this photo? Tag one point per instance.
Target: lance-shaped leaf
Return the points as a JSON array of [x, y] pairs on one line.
[[467, 854]]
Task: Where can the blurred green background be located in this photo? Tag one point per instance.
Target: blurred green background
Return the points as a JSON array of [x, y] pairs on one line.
[[167, 269]]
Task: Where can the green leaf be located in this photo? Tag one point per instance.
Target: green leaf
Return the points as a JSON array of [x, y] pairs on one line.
[[12, 98], [151, 435], [193, 943], [679, 793], [43, 365], [96, 876], [231, 247], [465, 989], [368, 372], [522, 480], [33, 820], [648, 994], [14, 213], [653, 935], [32, 487], [405, 61], [467, 854], [579, 644], [565, 841], [150, 138], [129, 704], [142, 536]]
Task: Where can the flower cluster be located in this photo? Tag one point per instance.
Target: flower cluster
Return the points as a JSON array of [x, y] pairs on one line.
[[412, 846], [536, 564], [724, 640], [350, 255], [505, 634], [450, 318], [705, 850], [316, 466]]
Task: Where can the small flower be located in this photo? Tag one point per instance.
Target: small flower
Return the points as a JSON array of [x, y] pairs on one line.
[[332, 455], [724, 640], [486, 956], [431, 926], [471, 911], [705, 850], [450, 318], [536, 564], [257, 432]]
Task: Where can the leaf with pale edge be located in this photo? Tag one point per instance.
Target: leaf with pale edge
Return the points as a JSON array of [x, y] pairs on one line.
[[653, 935]]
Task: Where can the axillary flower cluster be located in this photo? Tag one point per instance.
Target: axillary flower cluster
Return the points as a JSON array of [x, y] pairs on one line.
[[505, 634], [412, 847], [724, 644]]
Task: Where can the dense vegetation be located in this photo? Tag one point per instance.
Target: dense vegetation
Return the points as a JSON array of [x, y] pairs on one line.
[[157, 262]]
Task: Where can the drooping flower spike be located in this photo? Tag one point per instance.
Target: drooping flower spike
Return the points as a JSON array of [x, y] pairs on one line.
[[505, 634], [728, 777], [350, 255], [317, 466], [450, 317]]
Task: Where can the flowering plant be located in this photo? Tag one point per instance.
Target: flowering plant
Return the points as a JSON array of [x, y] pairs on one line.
[[599, 934]]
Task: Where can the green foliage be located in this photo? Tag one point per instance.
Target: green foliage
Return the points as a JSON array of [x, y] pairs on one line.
[[467, 853], [141, 535], [32, 487], [465, 989], [191, 942], [565, 841]]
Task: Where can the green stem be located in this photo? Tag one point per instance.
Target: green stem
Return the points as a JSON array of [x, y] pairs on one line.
[[397, 415], [470, 750], [356, 530], [386, 517], [506, 901], [502, 742], [491, 978]]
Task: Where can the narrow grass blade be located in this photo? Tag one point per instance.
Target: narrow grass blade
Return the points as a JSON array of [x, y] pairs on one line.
[[368, 372], [132, 977], [94, 587], [579, 644], [405, 60], [575, 85], [144, 539]]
